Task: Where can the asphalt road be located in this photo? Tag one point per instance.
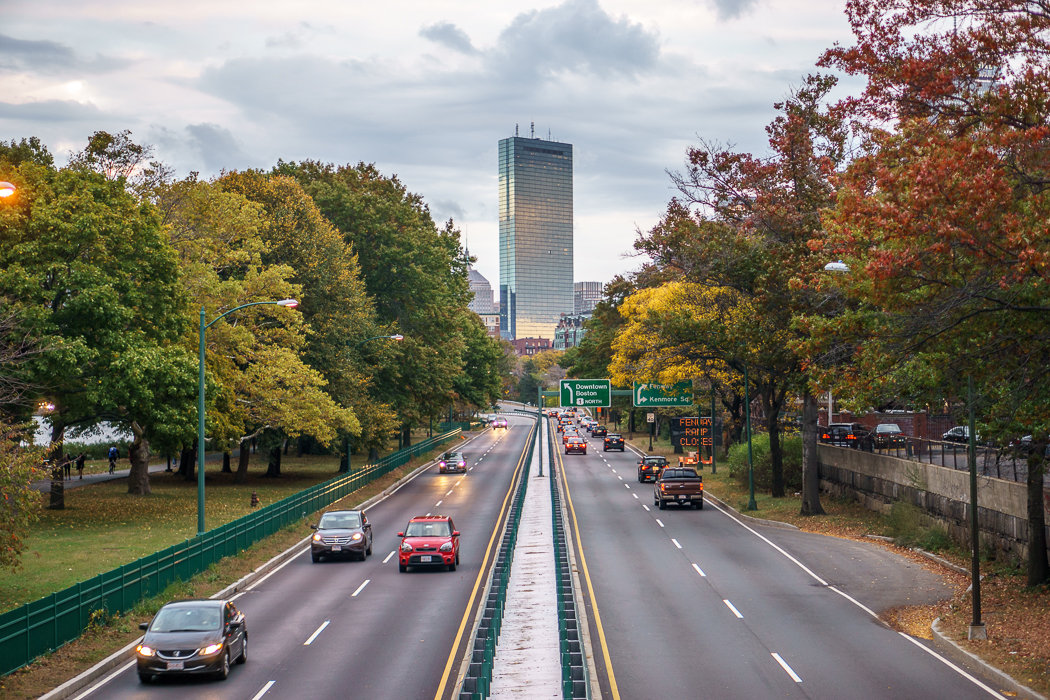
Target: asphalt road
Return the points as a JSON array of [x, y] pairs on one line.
[[694, 604], [374, 632]]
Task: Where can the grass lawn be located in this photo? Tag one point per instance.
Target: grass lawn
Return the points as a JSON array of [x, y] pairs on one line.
[[103, 527]]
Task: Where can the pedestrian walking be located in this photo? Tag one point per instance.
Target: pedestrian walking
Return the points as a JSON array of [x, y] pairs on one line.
[[67, 468], [80, 464], [114, 454]]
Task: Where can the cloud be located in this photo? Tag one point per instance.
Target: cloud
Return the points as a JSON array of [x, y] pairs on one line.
[[444, 209], [42, 56], [732, 9], [576, 36], [288, 40], [207, 148], [450, 36], [50, 111]]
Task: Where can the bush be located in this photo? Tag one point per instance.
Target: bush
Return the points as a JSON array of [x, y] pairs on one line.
[[909, 527], [791, 449]]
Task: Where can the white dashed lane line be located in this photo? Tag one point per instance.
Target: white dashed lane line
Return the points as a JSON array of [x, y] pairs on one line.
[[735, 611], [676, 543], [635, 495], [263, 691], [449, 491], [783, 664], [317, 632], [658, 521], [360, 588], [438, 504], [388, 556], [645, 506], [699, 571], [627, 485]]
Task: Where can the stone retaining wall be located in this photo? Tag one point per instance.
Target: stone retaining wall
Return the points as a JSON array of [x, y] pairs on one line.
[[943, 494]]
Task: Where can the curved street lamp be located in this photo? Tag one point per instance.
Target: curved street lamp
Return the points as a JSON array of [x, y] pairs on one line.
[[291, 304], [7, 189]]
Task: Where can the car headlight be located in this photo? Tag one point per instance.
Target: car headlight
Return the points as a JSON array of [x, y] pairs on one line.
[[317, 537], [447, 547], [357, 536], [145, 650], [462, 464], [442, 464], [406, 547], [211, 649]]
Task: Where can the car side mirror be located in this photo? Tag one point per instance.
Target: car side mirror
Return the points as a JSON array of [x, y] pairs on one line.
[[143, 625], [313, 527], [236, 623], [455, 533], [400, 534]]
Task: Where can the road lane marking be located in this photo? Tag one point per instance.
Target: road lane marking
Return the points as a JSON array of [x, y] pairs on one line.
[[107, 679], [635, 495], [948, 663], [737, 613], [620, 478], [438, 503], [658, 521], [290, 560], [389, 555], [360, 588], [645, 506], [676, 543], [613, 687], [477, 582], [471, 469], [449, 491], [263, 691], [427, 515], [699, 571], [317, 632], [783, 664]]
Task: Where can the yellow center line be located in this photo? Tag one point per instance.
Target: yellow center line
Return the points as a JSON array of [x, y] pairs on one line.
[[590, 587], [470, 604]]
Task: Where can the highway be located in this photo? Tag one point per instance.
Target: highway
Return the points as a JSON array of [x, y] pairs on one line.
[[372, 632], [694, 604]]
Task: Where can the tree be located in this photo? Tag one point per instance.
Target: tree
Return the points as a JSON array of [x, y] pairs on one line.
[[480, 383], [19, 467], [95, 281]]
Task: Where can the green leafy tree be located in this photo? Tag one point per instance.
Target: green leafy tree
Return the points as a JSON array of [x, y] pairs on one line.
[[19, 467]]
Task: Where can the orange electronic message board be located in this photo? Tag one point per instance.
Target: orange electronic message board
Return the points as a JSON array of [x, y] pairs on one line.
[[695, 432]]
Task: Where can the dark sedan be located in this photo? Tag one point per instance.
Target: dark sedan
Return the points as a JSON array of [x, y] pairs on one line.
[[599, 431], [888, 435], [613, 441], [342, 533], [650, 467], [193, 637]]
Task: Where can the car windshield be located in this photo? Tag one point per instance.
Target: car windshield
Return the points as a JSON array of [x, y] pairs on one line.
[[432, 528], [891, 428], [333, 521], [679, 474], [613, 436], [187, 619], [452, 457]]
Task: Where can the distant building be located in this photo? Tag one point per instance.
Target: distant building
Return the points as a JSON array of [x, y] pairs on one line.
[[585, 295], [491, 322], [535, 235], [524, 347], [570, 331], [481, 304]]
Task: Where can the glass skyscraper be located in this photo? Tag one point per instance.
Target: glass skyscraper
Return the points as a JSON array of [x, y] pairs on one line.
[[535, 236]]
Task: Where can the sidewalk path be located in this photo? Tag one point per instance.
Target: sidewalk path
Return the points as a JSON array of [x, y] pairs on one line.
[[44, 485], [527, 663]]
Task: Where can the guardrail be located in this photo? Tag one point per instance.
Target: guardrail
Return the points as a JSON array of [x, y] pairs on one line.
[[44, 625], [478, 680]]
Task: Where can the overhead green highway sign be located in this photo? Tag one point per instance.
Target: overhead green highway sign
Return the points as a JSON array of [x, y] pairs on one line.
[[585, 392], [651, 394]]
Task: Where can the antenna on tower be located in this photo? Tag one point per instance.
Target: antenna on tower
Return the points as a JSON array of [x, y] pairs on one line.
[[533, 125], [548, 134], [515, 129]]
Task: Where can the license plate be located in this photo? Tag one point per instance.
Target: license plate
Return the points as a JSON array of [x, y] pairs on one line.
[[337, 547], [682, 498], [176, 665], [425, 559]]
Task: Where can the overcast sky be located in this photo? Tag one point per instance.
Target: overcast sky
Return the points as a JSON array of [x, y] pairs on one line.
[[422, 88]]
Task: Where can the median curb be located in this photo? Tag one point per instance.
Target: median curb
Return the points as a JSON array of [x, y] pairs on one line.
[[962, 656], [85, 678]]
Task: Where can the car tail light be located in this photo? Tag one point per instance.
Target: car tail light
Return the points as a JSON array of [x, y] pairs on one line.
[[825, 436]]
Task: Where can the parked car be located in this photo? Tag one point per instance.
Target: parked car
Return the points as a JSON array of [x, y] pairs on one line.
[[430, 540], [888, 435], [191, 637], [452, 462], [613, 441], [679, 485], [576, 444], [341, 533], [961, 433], [844, 434], [599, 431], [650, 466]]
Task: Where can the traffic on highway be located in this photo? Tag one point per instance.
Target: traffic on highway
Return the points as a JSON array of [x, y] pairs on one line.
[[681, 601]]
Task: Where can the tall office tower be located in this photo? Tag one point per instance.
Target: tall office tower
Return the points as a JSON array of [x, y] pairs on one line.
[[585, 296], [535, 236], [482, 301]]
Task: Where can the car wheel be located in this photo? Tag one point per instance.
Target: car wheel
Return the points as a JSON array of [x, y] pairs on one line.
[[368, 552], [402, 568], [452, 566], [457, 557], [641, 480], [244, 651], [700, 505], [662, 503], [224, 670], [315, 557], [145, 678], [656, 501]]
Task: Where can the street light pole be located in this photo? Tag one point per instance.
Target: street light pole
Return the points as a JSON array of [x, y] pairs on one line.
[[290, 303], [977, 628], [751, 505]]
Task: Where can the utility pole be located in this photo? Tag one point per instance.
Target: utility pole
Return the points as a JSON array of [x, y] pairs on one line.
[[977, 628]]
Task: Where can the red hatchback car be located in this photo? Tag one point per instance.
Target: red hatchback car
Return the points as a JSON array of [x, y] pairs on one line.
[[430, 540]]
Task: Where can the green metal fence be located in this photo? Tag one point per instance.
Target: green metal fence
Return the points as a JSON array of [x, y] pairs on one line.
[[46, 624]]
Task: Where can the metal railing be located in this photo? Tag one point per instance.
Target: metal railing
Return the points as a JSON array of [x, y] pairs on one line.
[[43, 625], [1006, 463]]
